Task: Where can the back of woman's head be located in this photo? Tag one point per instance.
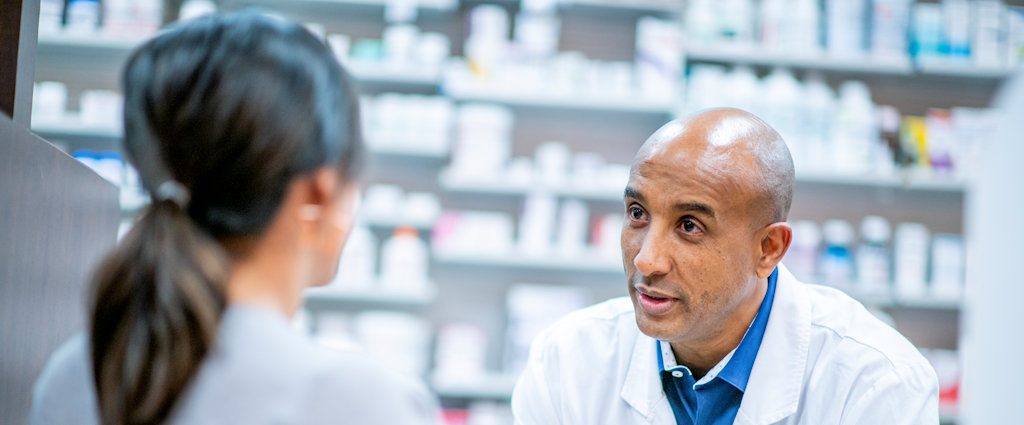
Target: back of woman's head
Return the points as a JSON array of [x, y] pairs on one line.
[[221, 115]]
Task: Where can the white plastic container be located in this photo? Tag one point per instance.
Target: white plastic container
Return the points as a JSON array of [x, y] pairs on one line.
[[988, 45], [889, 29], [837, 266], [421, 207], [819, 102], [873, 256], [537, 34], [846, 25], [803, 33], [192, 9], [552, 160], [802, 257], [461, 353], [947, 266], [83, 16], [51, 16], [572, 229], [399, 341], [606, 238], [356, 270], [537, 226], [132, 18], [404, 262], [911, 259], [102, 108], [531, 309], [773, 21], [782, 94], [484, 141], [855, 135], [659, 47], [50, 102], [483, 233], [400, 44], [383, 200]]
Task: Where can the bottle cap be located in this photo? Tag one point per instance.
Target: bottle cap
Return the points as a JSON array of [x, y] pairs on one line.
[[406, 231]]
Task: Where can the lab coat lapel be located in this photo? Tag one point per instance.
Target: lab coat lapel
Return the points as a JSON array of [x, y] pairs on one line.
[[642, 387], [776, 380]]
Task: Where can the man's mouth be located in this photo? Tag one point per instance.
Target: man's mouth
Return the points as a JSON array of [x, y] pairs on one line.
[[654, 303]]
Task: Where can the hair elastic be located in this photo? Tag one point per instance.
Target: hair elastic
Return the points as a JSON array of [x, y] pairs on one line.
[[173, 191]]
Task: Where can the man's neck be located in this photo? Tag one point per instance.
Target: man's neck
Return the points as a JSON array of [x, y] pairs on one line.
[[700, 356]]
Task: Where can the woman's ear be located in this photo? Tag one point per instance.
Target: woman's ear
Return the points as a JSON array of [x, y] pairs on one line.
[[324, 187], [314, 202], [775, 241]]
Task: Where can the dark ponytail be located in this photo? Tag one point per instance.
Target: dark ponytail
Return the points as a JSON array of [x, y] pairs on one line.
[[159, 298], [227, 111]]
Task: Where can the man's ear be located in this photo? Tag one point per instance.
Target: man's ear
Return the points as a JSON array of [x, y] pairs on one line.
[[774, 241]]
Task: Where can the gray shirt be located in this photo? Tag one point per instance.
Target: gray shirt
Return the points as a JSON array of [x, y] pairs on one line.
[[260, 371]]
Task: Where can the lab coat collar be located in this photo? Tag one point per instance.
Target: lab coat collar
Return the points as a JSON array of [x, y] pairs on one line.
[[642, 387], [776, 380]]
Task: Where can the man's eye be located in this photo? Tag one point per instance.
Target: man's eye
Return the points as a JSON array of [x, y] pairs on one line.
[[636, 213], [689, 226]]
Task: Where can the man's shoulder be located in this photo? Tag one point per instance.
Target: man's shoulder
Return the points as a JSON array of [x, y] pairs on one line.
[[855, 340]]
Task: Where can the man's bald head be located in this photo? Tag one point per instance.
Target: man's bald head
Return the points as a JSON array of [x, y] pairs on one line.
[[733, 144]]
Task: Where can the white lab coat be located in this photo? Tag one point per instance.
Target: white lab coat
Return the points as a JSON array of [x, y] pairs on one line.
[[824, 359]]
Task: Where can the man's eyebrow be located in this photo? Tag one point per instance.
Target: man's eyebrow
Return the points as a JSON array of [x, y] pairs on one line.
[[632, 193], [695, 207]]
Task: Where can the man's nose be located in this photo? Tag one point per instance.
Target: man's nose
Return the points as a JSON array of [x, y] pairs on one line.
[[652, 259]]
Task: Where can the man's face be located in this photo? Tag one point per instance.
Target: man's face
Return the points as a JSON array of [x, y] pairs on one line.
[[688, 243]]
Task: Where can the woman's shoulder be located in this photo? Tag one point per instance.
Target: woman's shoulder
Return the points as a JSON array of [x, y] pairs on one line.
[[263, 363], [64, 391]]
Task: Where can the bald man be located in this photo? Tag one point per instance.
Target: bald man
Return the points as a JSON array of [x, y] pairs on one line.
[[715, 330]]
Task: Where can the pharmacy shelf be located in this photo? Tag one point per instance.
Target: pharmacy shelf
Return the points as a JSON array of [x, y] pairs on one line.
[[905, 181], [522, 261], [504, 187], [411, 151], [76, 129], [489, 387], [663, 7], [328, 298], [759, 56], [99, 44], [962, 69], [903, 302], [286, 5], [630, 105], [948, 416], [393, 222], [379, 72], [88, 42], [752, 55]]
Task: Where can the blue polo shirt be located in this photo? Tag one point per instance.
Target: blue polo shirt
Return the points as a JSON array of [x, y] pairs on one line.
[[715, 398]]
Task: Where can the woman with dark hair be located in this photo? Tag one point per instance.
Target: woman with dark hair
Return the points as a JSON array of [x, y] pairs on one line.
[[245, 129]]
